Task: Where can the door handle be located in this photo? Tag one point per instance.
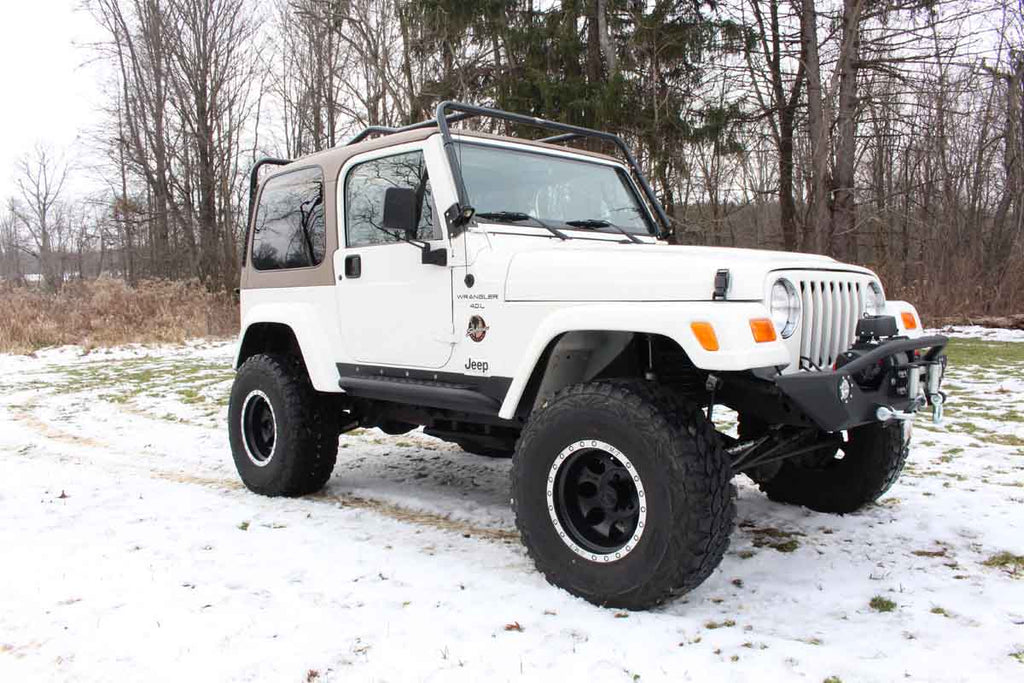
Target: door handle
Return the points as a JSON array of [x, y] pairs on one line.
[[353, 266]]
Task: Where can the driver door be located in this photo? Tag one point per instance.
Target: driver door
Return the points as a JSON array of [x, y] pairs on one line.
[[393, 309]]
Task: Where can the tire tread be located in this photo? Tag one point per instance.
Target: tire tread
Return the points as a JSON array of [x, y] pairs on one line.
[[701, 477]]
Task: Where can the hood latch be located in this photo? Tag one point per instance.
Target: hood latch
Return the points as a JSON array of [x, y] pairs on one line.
[[722, 281]]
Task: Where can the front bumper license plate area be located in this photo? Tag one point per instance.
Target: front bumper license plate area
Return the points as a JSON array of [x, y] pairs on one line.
[[893, 381]]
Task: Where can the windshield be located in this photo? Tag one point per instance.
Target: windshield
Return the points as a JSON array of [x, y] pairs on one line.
[[550, 188]]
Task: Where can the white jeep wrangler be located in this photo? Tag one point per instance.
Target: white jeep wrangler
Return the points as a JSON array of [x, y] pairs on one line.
[[512, 296]]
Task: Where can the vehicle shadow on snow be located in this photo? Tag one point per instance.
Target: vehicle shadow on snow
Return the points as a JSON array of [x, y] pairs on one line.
[[423, 481]]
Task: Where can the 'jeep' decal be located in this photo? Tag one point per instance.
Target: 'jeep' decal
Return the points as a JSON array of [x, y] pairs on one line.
[[477, 365]]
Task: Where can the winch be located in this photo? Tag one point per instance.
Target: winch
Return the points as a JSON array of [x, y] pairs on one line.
[[910, 378]]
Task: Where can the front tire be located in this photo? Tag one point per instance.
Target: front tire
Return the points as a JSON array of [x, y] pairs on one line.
[[284, 435], [622, 493], [873, 456]]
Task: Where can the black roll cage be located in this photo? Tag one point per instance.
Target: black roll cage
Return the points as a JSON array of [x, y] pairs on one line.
[[254, 184], [449, 112]]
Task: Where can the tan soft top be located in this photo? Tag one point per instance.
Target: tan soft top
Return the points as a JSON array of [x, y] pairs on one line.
[[331, 160]]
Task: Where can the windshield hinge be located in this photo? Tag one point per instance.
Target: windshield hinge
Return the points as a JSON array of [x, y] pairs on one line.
[[722, 280], [457, 217]]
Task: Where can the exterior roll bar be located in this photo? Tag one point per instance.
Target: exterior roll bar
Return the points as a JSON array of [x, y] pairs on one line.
[[254, 183], [569, 132], [449, 112]]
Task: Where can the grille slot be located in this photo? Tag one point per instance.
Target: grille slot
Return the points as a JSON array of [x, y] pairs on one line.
[[831, 308]]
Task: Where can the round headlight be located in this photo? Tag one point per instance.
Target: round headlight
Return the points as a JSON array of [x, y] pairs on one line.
[[874, 300], [785, 307]]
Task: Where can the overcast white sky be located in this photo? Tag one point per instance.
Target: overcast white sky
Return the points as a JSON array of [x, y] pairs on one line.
[[51, 94], [48, 93]]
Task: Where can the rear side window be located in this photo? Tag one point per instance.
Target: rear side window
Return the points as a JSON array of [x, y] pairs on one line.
[[290, 230], [365, 186]]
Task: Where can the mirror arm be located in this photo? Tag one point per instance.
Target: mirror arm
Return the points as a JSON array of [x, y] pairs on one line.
[[428, 255], [434, 257]]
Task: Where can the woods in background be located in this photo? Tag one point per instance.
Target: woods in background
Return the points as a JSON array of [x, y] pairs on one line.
[[883, 133]]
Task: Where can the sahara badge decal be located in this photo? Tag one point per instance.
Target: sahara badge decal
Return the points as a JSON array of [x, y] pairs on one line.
[[477, 329]]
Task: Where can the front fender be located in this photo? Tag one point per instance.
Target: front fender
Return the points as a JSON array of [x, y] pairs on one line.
[[896, 309], [730, 319]]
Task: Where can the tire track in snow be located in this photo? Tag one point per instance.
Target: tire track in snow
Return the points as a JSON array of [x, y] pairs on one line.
[[23, 414]]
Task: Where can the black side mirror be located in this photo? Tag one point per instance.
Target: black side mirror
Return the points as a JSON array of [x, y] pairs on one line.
[[400, 210]]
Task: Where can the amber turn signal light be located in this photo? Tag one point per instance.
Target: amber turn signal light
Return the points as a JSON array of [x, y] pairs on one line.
[[909, 321], [763, 329], [705, 334]]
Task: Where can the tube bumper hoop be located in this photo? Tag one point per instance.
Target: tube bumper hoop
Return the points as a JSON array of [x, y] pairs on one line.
[[907, 378]]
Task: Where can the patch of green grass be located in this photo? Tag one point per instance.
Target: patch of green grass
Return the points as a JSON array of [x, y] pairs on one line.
[[190, 395], [728, 623], [833, 679], [880, 604], [770, 537], [985, 354], [124, 380], [1018, 655], [940, 611], [1008, 561], [1002, 439]]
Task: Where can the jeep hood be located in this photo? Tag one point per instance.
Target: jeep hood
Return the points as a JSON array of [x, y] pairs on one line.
[[650, 272]]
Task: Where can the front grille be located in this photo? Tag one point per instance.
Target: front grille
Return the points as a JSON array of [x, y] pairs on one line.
[[831, 308]]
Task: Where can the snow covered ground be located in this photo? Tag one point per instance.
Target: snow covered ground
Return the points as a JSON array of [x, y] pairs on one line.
[[129, 551]]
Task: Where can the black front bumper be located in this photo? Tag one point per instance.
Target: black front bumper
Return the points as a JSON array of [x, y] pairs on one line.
[[839, 399]]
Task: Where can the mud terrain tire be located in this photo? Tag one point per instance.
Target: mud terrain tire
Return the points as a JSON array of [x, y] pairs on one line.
[[284, 435], [873, 458], [685, 489]]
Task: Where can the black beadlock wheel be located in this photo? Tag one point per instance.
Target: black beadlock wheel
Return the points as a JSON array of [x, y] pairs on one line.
[[622, 493], [284, 435], [866, 465], [259, 428], [596, 498]]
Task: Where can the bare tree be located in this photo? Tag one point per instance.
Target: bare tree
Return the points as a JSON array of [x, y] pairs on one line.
[[41, 179], [779, 99], [10, 245]]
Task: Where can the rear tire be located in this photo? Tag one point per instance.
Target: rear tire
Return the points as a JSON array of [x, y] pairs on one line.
[[284, 435], [622, 493], [873, 458]]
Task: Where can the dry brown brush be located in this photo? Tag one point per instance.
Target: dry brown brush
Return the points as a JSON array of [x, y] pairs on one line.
[[107, 312]]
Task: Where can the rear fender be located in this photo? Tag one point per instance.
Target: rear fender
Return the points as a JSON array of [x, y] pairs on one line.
[[306, 321]]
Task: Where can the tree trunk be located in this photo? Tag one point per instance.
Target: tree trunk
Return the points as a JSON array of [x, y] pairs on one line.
[[819, 224], [844, 210]]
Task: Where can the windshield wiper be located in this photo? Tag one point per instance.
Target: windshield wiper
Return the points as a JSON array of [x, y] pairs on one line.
[[601, 223], [518, 216]]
